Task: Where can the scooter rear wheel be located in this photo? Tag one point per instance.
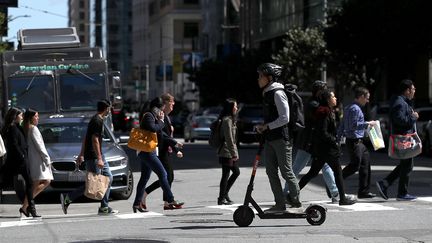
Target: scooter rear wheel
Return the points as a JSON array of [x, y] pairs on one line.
[[243, 216], [316, 215]]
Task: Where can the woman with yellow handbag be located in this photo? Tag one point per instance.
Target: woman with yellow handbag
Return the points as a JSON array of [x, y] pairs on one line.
[[152, 120]]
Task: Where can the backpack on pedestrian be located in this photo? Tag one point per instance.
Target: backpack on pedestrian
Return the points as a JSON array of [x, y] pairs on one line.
[[296, 111], [216, 139]]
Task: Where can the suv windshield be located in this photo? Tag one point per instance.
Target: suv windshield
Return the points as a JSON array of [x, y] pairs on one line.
[[23, 90], [79, 91]]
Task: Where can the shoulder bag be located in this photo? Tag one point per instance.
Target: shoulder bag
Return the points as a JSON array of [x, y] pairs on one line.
[[404, 146], [142, 140]]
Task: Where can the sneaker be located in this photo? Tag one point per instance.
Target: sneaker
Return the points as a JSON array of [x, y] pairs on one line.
[[65, 202], [382, 189], [406, 197], [107, 211], [334, 198], [276, 209]]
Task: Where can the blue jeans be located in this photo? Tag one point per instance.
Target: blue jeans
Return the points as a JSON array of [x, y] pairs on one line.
[[302, 158], [91, 167], [150, 162]]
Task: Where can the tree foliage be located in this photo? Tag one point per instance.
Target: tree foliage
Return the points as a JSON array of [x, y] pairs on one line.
[[302, 55], [3, 18], [366, 37]]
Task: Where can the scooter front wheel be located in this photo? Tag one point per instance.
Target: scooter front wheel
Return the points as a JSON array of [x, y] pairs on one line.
[[243, 216], [316, 215]]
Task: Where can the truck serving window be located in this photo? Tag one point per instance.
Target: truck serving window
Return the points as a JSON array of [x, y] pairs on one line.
[[81, 91], [36, 92]]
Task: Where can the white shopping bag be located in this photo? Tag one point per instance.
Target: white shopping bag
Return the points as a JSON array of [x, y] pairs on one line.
[[375, 135]]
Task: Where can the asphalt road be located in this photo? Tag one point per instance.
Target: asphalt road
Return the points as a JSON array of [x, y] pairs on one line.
[[196, 182]]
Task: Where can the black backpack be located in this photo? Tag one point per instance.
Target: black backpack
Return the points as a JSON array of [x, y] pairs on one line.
[[296, 120], [216, 139]]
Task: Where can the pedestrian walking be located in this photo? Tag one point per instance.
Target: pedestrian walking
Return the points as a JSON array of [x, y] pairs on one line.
[[91, 154], [353, 128], [402, 121], [39, 161], [228, 152], [277, 140], [303, 143], [17, 156], [167, 146], [325, 145], [153, 120]]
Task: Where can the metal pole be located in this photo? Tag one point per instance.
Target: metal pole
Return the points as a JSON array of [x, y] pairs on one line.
[[164, 76], [147, 86]]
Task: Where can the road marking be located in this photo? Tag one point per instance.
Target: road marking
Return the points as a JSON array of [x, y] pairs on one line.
[[22, 222], [138, 215]]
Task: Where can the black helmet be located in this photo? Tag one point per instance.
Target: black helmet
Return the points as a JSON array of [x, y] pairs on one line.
[[270, 69]]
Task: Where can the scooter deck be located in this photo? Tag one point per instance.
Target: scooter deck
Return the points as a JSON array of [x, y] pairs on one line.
[[282, 215]]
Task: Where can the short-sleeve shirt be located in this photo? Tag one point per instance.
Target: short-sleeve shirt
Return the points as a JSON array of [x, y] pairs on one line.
[[95, 127]]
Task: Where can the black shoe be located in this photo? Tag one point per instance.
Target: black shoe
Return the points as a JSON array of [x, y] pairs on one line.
[[382, 189], [328, 192], [223, 201], [366, 195], [229, 199], [347, 201], [32, 212], [22, 211]]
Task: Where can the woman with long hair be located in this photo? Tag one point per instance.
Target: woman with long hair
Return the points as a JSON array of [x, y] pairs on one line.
[[152, 120], [228, 152], [39, 162], [325, 145], [17, 155]]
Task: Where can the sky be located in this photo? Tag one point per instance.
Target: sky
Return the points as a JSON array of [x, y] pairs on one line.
[[43, 14]]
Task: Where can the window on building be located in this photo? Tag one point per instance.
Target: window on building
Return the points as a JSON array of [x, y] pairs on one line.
[[164, 3], [81, 4], [190, 30], [81, 15], [81, 27]]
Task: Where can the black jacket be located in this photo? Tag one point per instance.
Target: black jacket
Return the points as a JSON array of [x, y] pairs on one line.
[[16, 147], [401, 115], [325, 145]]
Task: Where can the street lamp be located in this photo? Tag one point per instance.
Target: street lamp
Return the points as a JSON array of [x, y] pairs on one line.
[[12, 18]]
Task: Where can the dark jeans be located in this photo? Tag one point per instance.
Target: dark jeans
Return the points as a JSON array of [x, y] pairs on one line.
[[150, 162], [227, 181], [402, 172], [317, 165], [359, 161], [170, 176]]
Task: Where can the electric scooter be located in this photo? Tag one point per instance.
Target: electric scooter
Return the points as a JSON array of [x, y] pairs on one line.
[[243, 216]]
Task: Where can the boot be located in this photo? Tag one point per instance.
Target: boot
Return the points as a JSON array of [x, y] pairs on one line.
[[31, 210], [228, 199]]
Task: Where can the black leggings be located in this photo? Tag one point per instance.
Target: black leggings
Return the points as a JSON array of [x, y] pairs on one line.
[[317, 165], [227, 181]]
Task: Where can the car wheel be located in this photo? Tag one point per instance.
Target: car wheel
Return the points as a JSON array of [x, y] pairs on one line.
[[125, 194], [192, 140]]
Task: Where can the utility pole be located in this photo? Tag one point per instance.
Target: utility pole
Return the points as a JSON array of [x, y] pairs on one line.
[[147, 82]]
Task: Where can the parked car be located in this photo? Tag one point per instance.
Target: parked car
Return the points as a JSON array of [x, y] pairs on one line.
[[248, 117], [63, 137], [197, 127]]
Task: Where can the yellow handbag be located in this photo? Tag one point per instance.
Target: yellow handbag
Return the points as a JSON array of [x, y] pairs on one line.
[[142, 140]]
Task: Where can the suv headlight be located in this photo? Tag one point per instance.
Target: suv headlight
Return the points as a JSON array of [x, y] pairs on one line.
[[119, 162]]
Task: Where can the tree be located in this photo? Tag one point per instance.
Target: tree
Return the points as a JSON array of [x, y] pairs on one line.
[[302, 56], [3, 18], [374, 40]]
